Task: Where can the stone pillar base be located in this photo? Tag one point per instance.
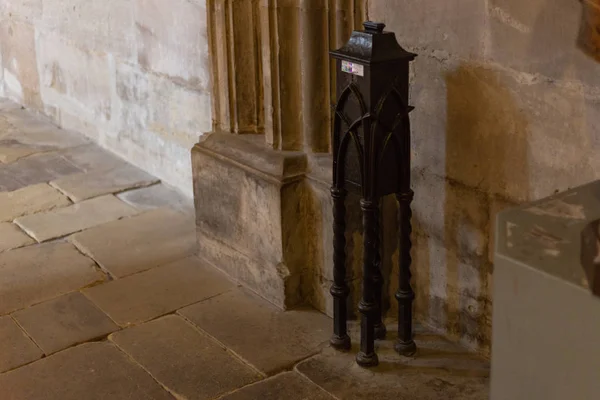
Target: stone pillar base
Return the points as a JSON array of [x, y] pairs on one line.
[[250, 217]]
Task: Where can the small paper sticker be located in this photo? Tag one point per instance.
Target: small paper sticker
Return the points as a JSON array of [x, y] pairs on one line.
[[353, 68]]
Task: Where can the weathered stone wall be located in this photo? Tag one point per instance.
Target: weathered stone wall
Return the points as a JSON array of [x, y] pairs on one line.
[[507, 110], [131, 74]]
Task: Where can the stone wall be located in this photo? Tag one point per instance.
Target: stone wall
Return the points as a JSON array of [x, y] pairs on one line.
[[131, 74], [507, 110]]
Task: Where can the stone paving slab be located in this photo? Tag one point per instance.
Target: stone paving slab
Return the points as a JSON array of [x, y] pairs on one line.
[[8, 182], [157, 196], [22, 142], [30, 200], [77, 217], [17, 348], [147, 295], [12, 150], [92, 371], [63, 322], [98, 182], [287, 385], [91, 157], [41, 272], [11, 237], [7, 105], [188, 363], [440, 370], [40, 168], [46, 135], [269, 339], [139, 243]]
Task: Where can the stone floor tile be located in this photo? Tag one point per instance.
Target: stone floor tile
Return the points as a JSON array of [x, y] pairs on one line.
[[92, 371], [17, 348], [8, 182], [46, 135], [440, 370], [30, 200], [266, 337], [40, 168], [185, 361], [41, 272], [63, 322], [77, 217], [21, 142], [11, 237], [12, 150], [6, 105], [157, 196], [92, 157], [98, 182], [139, 243], [287, 385], [159, 291]]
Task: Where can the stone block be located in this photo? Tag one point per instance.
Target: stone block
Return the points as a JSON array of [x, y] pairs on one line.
[[102, 371], [537, 37], [242, 188], [139, 243], [25, 10], [451, 212], [95, 183], [171, 110], [288, 385], [455, 26], [107, 27], [11, 237], [41, 272], [75, 80], [252, 325], [160, 117], [64, 322], [19, 62], [174, 43], [17, 348], [75, 218], [501, 132], [157, 196], [30, 200], [157, 292], [188, 363]]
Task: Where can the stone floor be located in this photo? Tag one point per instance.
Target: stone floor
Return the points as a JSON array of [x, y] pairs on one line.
[[102, 297]]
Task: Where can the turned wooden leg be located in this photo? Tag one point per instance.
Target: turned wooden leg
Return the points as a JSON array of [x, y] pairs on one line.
[[367, 306], [405, 295], [339, 289]]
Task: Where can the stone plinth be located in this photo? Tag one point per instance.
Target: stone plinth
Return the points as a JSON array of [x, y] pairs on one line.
[[250, 213]]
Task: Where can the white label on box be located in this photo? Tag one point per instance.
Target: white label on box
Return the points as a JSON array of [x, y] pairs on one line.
[[353, 68]]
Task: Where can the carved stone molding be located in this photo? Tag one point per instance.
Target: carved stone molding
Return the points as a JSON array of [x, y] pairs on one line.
[[233, 30], [271, 70], [296, 37]]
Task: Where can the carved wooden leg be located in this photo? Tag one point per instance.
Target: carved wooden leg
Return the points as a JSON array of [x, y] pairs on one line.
[[367, 306], [339, 290], [405, 295], [380, 329]]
